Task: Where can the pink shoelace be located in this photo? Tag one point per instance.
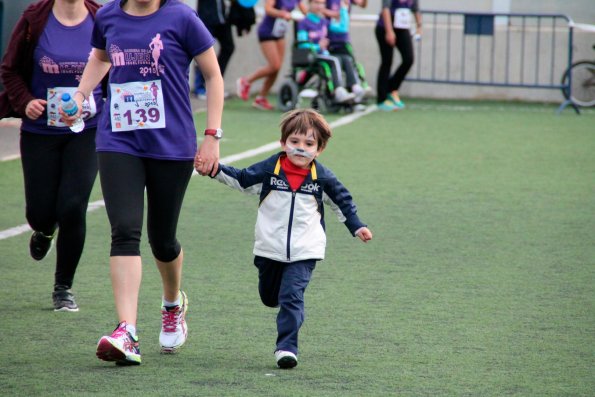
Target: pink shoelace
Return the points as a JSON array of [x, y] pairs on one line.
[[170, 319], [120, 331]]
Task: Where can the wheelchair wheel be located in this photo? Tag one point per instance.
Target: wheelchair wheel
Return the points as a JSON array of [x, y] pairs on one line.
[[288, 96], [583, 83], [319, 104]]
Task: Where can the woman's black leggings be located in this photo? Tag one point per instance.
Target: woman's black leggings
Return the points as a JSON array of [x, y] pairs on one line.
[[59, 172], [124, 179], [386, 85]]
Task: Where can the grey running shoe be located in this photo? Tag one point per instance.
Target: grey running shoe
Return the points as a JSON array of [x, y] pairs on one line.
[[40, 245], [64, 301]]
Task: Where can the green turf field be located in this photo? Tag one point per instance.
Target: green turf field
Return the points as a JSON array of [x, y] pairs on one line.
[[479, 281]]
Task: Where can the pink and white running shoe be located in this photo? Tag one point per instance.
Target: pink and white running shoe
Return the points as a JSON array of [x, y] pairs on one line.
[[243, 89], [173, 326], [121, 346]]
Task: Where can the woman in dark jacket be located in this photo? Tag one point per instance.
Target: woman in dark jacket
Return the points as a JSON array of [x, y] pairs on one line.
[[45, 58]]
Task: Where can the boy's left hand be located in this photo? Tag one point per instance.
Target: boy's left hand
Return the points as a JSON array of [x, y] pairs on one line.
[[364, 234]]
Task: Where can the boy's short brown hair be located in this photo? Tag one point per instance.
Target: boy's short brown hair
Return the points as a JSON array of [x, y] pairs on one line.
[[301, 121]]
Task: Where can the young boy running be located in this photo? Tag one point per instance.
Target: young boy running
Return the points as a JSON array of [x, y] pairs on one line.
[[289, 235]]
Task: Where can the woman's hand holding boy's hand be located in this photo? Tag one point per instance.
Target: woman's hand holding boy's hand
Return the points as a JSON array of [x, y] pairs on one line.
[[364, 234], [203, 167]]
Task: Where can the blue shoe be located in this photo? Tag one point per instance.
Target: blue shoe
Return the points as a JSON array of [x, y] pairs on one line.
[[398, 103], [387, 106]]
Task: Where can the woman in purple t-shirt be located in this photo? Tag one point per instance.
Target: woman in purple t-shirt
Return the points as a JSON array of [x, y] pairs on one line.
[[271, 35], [46, 55], [146, 141]]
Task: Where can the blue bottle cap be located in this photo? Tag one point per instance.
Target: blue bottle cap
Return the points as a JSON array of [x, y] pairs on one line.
[[66, 97], [247, 3]]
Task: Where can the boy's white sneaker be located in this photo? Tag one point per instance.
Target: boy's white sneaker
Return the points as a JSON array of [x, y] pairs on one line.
[[285, 359], [173, 326]]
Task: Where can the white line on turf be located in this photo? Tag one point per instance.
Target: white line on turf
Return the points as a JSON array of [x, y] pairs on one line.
[[15, 231]]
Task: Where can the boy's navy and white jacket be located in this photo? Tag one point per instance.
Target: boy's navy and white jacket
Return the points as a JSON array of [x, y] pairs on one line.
[[290, 225]]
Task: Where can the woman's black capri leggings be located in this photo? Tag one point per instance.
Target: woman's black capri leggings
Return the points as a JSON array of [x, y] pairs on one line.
[[123, 181]]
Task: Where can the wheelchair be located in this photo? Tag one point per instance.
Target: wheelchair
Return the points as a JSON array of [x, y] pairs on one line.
[[307, 84]]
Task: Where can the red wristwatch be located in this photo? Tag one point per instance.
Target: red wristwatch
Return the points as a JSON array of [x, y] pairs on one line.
[[217, 133]]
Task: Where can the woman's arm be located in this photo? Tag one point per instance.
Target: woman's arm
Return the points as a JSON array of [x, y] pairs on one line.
[[208, 152], [97, 67], [12, 69], [270, 10], [389, 33], [418, 22]]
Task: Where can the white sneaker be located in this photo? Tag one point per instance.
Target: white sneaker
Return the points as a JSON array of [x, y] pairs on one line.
[[359, 93], [308, 93], [285, 359], [369, 92], [342, 95], [173, 326]]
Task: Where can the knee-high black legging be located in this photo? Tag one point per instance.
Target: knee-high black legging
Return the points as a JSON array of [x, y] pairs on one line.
[[386, 84], [59, 172], [124, 179]]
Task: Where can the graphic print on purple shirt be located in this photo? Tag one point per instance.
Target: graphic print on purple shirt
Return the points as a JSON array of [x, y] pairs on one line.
[[265, 29], [156, 48], [59, 60]]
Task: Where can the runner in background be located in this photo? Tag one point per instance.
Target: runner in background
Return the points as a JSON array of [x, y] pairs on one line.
[[213, 14], [46, 55], [393, 30], [271, 35]]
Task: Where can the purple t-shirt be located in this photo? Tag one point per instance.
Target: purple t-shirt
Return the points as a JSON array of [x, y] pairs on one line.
[[315, 26], [59, 60], [266, 29], [148, 112], [413, 5]]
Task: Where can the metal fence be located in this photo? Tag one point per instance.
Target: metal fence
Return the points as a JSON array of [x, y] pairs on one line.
[[500, 50]]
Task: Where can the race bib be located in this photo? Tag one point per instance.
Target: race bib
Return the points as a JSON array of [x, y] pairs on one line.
[[280, 27], [53, 98], [402, 18], [137, 105]]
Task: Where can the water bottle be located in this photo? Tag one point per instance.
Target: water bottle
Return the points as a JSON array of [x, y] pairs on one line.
[[69, 107]]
